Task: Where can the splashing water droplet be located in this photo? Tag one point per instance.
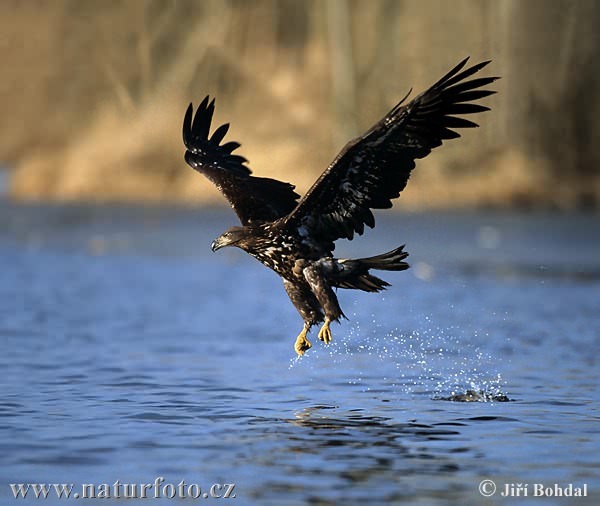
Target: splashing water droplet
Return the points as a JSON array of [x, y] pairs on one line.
[[421, 359]]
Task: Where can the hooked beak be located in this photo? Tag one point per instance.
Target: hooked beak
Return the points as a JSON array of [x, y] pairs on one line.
[[216, 245]]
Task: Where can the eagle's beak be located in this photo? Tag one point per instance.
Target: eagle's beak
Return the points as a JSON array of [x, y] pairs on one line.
[[216, 244]]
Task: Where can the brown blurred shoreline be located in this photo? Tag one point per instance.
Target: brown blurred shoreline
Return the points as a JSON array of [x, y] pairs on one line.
[[94, 93]]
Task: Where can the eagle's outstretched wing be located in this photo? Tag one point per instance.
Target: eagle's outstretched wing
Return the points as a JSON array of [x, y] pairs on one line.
[[374, 168], [252, 198]]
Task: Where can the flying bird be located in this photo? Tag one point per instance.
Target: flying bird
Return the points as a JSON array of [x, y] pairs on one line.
[[295, 237]]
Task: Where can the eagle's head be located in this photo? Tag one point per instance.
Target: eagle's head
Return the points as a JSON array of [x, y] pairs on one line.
[[234, 236]]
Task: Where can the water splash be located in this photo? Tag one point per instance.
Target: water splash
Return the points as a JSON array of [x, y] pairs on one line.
[[431, 360]]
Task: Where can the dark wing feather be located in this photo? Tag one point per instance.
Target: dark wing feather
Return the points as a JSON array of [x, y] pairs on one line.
[[373, 169], [252, 198]]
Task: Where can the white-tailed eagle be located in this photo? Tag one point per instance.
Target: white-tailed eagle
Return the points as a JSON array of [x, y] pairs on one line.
[[295, 237]]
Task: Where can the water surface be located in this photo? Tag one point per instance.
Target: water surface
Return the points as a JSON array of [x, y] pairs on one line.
[[132, 352]]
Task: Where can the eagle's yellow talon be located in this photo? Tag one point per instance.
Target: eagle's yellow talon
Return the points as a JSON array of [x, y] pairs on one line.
[[325, 333], [302, 343]]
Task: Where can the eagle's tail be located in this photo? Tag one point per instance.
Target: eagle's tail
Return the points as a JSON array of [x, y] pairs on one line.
[[390, 261], [354, 273]]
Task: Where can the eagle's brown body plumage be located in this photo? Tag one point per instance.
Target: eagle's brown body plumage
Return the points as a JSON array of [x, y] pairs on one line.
[[296, 239]]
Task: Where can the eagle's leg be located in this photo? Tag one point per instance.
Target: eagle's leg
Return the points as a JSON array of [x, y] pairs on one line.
[[302, 344], [325, 333], [308, 306], [326, 297]]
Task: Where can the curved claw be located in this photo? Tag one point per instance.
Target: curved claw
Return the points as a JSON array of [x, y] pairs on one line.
[[302, 344], [325, 333]]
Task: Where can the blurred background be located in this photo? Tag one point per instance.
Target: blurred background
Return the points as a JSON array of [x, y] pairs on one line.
[[93, 94]]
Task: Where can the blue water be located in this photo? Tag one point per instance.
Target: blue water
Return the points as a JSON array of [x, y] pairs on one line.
[[131, 352]]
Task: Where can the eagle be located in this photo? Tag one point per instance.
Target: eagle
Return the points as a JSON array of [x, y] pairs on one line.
[[295, 237]]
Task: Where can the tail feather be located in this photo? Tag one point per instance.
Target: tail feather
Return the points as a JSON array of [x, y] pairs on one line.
[[354, 273], [365, 282], [390, 261]]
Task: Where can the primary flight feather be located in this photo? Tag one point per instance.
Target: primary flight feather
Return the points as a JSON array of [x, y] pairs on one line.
[[296, 238]]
